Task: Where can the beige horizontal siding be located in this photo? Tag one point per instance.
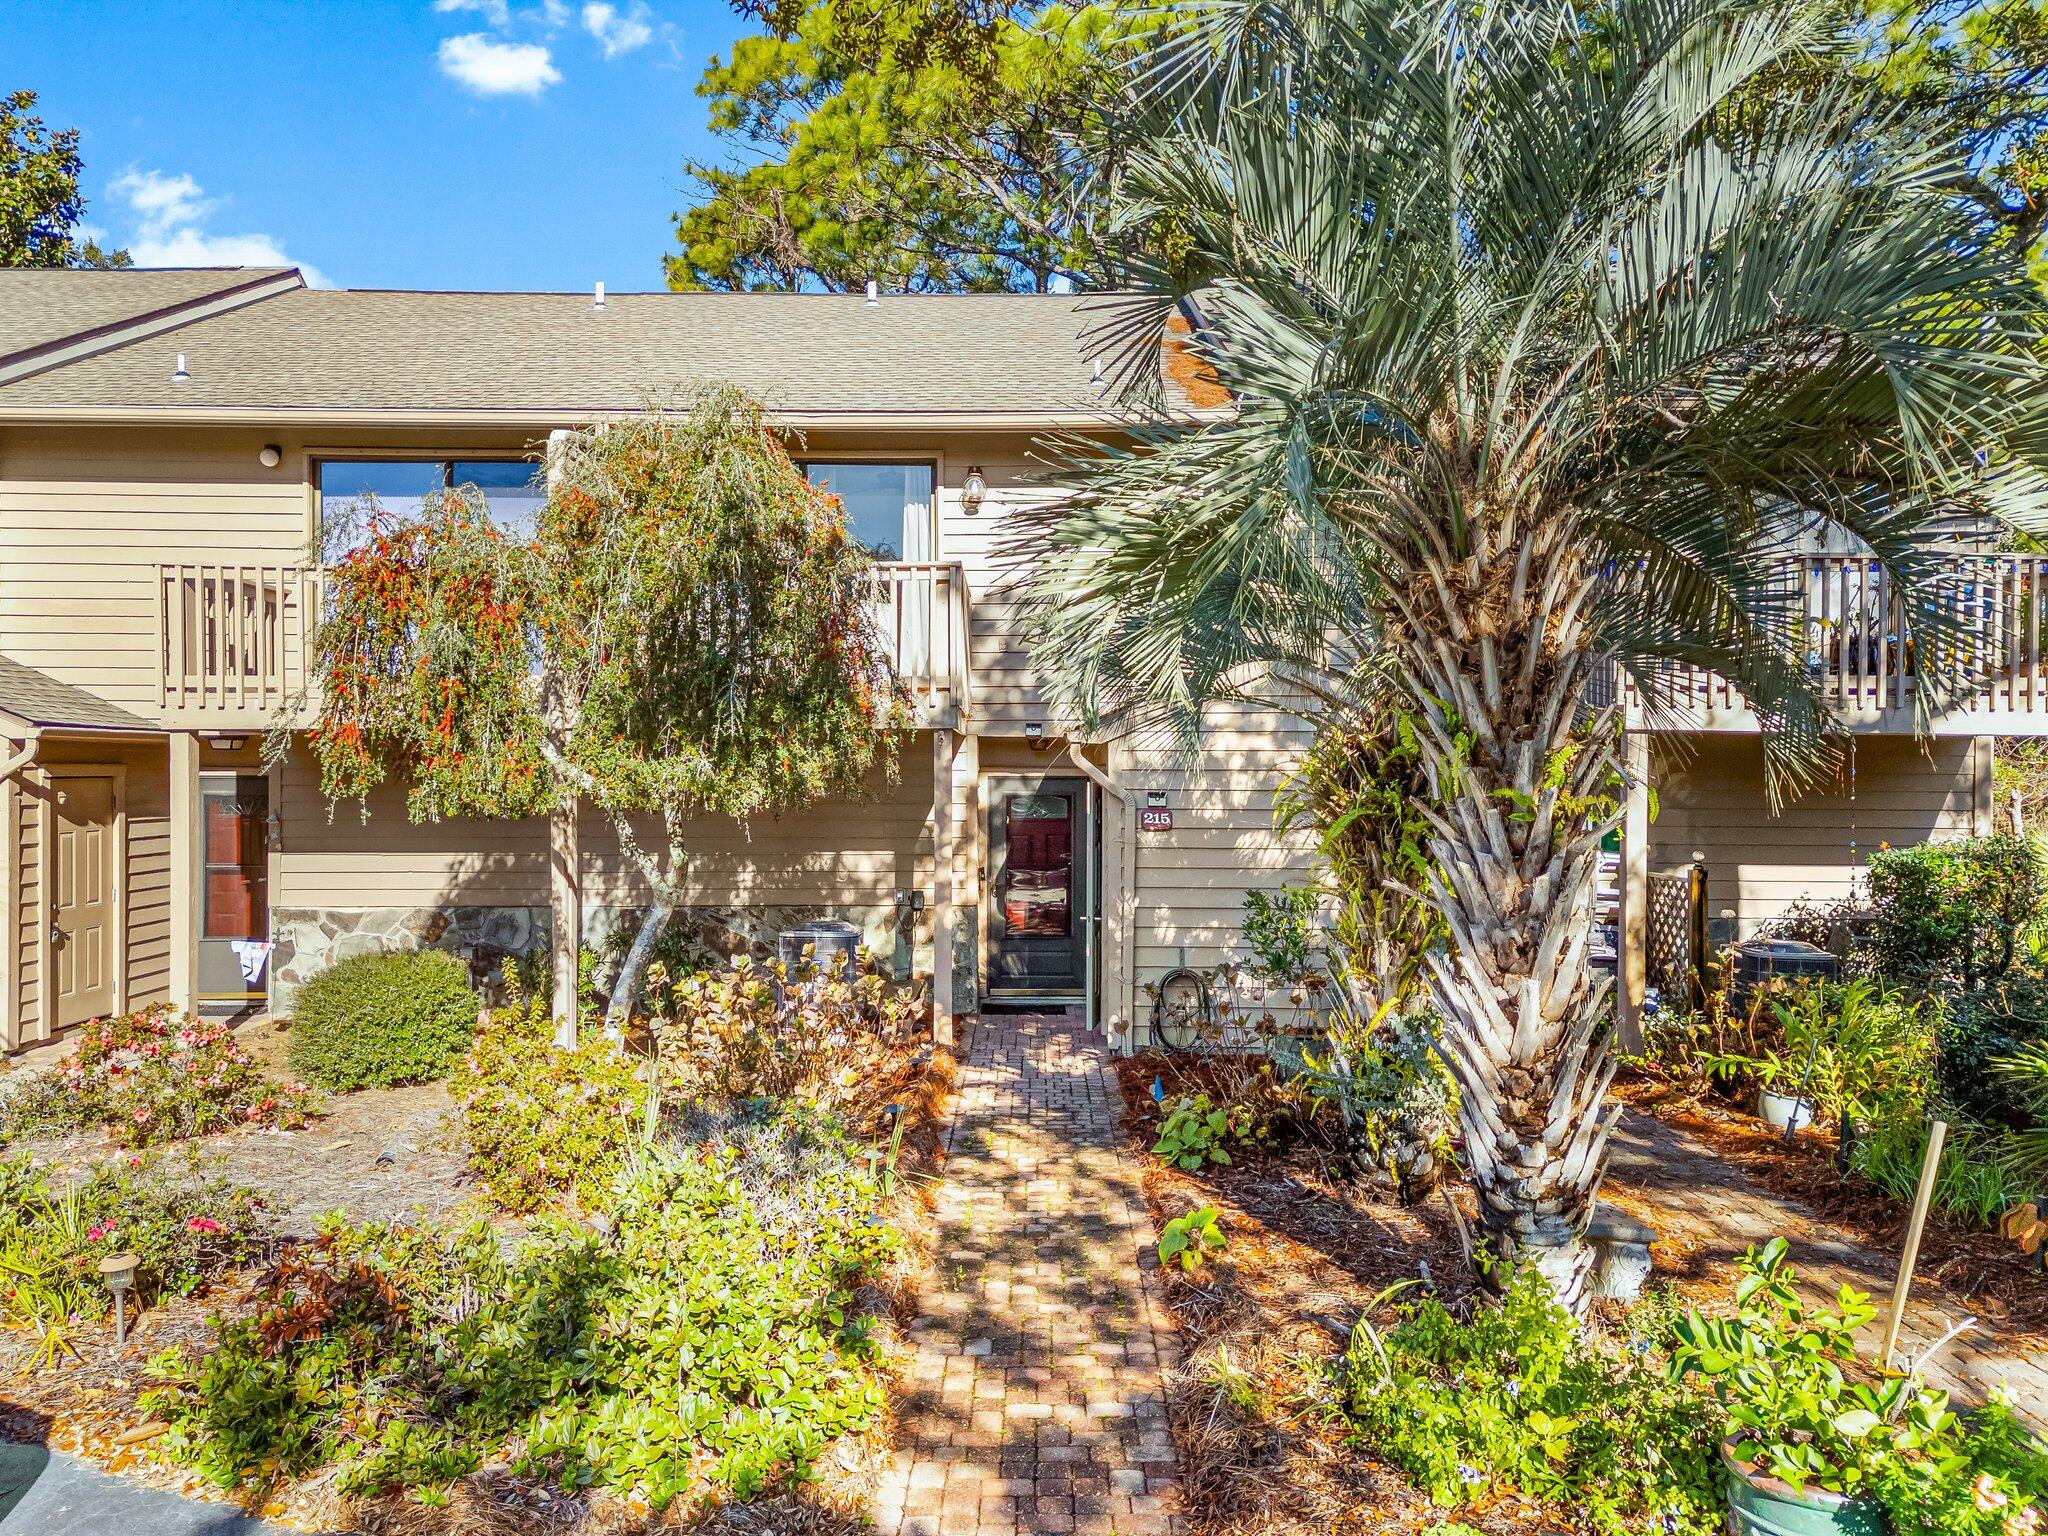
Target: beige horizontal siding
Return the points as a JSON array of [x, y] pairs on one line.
[[851, 851], [86, 516], [1191, 882], [1711, 804]]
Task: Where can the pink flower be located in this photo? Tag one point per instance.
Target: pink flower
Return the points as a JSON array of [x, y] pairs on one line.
[[205, 1224], [142, 1117], [100, 1229], [1987, 1495]]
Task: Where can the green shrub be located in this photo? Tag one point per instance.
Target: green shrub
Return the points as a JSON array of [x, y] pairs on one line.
[[1518, 1397], [374, 1021], [150, 1077], [708, 1336], [1795, 1407], [1851, 1046], [1989, 1024], [1953, 911], [540, 1120]]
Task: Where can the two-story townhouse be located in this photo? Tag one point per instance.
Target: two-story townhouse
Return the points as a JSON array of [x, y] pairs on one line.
[[176, 446]]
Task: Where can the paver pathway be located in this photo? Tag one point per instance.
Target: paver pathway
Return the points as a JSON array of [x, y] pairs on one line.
[[1676, 1172], [1034, 1401]]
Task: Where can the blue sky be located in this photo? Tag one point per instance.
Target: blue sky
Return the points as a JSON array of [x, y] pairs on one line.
[[495, 144]]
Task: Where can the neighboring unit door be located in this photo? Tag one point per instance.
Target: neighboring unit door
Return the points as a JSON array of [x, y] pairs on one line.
[[1038, 888], [234, 930], [85, 940]]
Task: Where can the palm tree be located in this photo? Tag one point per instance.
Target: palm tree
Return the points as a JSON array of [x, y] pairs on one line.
[[1545, 329]]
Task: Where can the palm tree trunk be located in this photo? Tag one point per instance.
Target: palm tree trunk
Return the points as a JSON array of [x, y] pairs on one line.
[[1526, 787]]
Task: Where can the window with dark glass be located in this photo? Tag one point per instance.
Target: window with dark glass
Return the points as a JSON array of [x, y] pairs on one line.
[[513, 490]]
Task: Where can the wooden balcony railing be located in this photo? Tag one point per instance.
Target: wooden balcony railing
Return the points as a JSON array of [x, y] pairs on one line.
[[1871, 655], [235, 640]]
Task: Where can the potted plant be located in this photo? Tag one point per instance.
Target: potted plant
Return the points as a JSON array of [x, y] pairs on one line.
[[1812, 1450]]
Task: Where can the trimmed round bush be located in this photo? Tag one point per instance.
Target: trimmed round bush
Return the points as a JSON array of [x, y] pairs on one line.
[[373, 1021]]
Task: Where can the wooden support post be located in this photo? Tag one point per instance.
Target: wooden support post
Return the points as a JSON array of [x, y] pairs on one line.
[[1632, 940], [565, 913], [186, 868], [1937, 1134], [944, 745]]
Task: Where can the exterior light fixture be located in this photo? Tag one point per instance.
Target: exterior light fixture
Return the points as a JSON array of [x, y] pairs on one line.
[[972, 490], [117, 1273], [270, 456], [1034, 730]]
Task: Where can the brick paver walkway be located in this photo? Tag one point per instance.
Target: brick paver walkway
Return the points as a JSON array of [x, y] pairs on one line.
[[1034, 1401], [1674, 1171]]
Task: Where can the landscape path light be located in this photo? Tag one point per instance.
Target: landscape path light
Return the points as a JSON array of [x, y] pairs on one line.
[[117, 1273]]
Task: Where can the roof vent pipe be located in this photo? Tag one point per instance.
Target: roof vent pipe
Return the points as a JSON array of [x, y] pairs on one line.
[[874, 293], [178, 373], [1099, 380], [597, 297]]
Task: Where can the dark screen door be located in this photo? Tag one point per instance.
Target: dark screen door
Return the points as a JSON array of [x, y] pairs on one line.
[[1037, 860]]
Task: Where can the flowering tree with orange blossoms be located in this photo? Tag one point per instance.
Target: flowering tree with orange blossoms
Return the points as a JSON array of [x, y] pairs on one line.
[[689, 630]]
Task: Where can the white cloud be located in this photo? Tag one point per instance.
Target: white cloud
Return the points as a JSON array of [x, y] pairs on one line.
[[497, 12], [618, 31], [170, 216], [493, 68]]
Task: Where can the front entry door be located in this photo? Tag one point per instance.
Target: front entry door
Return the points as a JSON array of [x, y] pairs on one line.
[[1038, 889], [85, 946]]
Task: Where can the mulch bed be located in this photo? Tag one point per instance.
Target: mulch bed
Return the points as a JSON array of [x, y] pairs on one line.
[[1974, 1265], [1310, 1252]]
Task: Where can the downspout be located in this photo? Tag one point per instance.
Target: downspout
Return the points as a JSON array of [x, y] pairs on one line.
[[1100, 778], [19, 759]]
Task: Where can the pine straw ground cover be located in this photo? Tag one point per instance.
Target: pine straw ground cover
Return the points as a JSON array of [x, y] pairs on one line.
[[92, 1407], [1980, 1271], [1309, 1253]]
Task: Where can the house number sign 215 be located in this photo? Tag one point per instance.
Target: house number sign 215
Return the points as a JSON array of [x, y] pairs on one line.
[[1155, 818]]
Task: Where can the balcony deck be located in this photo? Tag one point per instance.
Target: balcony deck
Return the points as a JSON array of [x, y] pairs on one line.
[[1872, 669], [234, 641]]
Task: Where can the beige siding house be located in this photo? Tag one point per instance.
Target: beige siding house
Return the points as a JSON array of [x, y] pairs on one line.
[[173, 442]]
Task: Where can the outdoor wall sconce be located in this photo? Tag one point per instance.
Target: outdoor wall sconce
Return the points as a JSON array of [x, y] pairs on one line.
[[117, 1273], [270, 456], [973, 489]]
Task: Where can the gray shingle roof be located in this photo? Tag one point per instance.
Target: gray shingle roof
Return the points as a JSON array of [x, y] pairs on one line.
[[40, 699], [333, 349], [38, 307]]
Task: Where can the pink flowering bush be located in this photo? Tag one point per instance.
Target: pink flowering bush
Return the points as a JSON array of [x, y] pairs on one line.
[[152, 1077]]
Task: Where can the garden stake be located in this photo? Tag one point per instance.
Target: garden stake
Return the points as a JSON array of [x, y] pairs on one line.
[[1799, 1095], [1937, 1134]]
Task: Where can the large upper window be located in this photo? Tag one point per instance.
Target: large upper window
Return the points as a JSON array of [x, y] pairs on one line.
[[513, 489], [888, 506]]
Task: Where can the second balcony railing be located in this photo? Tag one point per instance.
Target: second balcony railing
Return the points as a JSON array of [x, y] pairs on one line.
[[235, 640]]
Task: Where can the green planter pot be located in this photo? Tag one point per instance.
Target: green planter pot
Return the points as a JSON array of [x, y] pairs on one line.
[[1763, 1506]]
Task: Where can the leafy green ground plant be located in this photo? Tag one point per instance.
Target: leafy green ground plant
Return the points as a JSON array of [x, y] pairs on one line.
[[1517, 1396], [703, 1334], [1796, 1408], [1194, 1134], [52, 1238], [1191, 1240], [541, 1121]]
